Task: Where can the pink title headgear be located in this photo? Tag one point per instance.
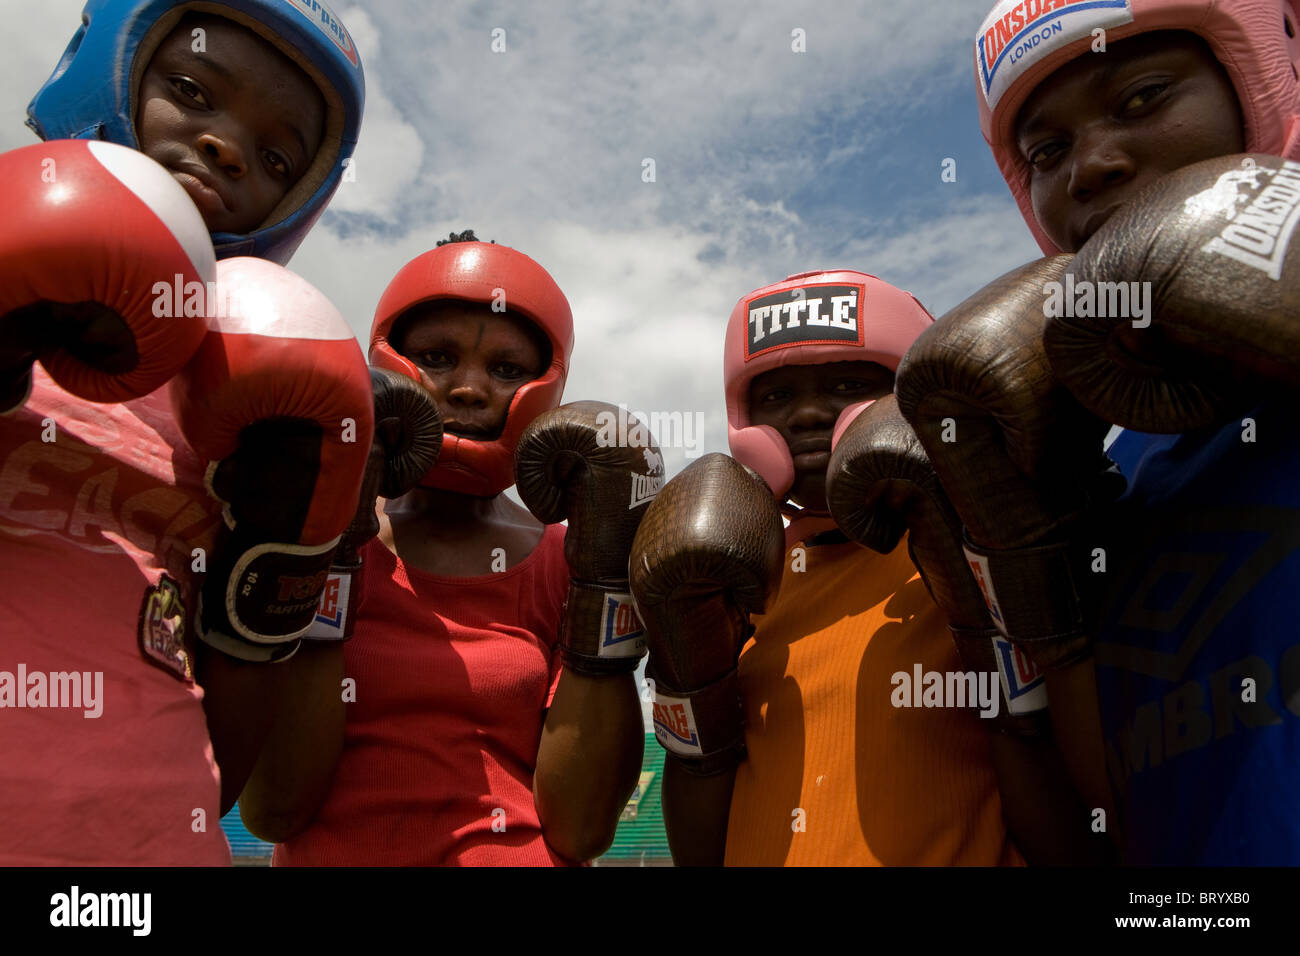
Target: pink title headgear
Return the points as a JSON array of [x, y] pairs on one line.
[[809, 319], [1022, 42], [487, 273]]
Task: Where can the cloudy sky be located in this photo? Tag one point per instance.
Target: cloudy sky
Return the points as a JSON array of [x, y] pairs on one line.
[[767, 162]]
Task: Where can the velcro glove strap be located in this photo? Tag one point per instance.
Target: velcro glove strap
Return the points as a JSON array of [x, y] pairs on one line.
[[703, 729], [1023, 708], [242, 649], [336, 614], [1035, 597], [259, 599], [601, 632]]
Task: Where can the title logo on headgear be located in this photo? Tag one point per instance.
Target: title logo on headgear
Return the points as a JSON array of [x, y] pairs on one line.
[[330, 25], [1019, 33], [804, 315]]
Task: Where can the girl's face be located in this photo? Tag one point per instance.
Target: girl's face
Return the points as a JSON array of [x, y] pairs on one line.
[[234, 121], [472, 360], [1105, 125], [803, 402]]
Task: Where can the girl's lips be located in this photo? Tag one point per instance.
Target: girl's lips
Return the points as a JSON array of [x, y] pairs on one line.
[[812, 459], [1093, 223], [207, 199]]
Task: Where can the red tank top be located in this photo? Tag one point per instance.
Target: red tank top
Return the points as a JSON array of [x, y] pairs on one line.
[[453, 678]]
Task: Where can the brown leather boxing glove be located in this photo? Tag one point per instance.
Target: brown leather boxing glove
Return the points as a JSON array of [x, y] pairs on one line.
[[880, 484], [1183, 310], [408, 437], [1020, 460], [708, 555], [581, 462]]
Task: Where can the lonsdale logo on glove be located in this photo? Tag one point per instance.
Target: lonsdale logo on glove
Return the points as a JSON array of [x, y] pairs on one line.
[[621, 631], [645, 487], [1258, 234], [674, 720]]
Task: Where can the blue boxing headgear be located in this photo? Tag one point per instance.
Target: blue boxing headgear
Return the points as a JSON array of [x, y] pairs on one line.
[[93, 91]]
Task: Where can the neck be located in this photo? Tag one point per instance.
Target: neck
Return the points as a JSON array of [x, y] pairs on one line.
[[451, 508]]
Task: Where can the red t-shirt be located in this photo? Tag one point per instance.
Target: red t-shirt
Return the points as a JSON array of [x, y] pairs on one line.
[[101, 507], [453, 677]]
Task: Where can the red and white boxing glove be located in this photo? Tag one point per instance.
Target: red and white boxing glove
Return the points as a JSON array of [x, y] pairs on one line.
[[100, 249], [278, 400]]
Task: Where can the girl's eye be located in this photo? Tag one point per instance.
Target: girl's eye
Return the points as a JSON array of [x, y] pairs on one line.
[[277, 163], [189, 90], [1143, 97], [1044, 154], [433, 359]]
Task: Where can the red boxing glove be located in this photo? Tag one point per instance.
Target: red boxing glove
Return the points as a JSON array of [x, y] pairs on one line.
[[1192, 308], [99, 250], [278, 400]]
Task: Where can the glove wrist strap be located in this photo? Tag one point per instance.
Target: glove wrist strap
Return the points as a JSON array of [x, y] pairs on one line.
[[1023, 707], [1035, 597], [260, 597], [600, 632], [241, 649], [704, 728], [336, 613]]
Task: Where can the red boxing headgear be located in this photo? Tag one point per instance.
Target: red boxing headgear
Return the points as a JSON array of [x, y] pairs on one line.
[[487, 273], [1022, 42], [809, 319]]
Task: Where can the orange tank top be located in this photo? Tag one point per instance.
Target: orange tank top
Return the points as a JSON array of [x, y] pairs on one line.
[[836, 774]]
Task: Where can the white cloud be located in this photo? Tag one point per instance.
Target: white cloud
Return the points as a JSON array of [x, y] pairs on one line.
[[45, 30], [389, 150], [541, 148]]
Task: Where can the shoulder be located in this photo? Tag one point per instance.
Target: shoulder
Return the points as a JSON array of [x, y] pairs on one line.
[[552, 568]]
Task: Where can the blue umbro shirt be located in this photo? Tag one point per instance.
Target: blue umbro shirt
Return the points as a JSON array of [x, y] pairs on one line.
[[1198, 650]]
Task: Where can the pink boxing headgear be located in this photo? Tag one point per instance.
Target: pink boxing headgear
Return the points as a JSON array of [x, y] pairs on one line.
[[487, 273], [809, 319], [1022, 42]]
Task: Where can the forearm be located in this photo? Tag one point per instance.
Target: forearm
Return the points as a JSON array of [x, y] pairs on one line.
[[296, 764], [1076, 723], [588, 762], [696, 810], [239, 700], [1048, 821]]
